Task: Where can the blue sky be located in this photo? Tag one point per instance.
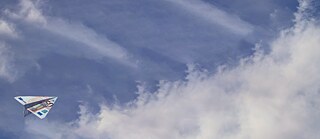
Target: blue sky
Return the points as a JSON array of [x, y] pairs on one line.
[[156, 69]]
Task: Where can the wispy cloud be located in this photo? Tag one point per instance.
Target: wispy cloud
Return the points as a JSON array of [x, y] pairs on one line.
[[30, 11], [7, 69], [273, 95], [82, 34], [7, 29], [213, 14]]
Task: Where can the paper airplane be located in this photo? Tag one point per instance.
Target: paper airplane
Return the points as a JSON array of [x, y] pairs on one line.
[[38, 105]]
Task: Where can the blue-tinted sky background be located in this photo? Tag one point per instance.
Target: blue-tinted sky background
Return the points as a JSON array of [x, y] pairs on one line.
[[132, 69]]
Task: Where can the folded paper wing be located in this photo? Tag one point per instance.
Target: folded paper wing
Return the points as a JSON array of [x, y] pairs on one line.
[[30, 99], [38, 105]]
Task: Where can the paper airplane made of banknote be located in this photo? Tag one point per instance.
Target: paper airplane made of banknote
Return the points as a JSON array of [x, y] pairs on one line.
[[38, 105]]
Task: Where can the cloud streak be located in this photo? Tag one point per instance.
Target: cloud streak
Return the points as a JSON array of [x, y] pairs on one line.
[[79, 33], [215, 15], [30, 11]]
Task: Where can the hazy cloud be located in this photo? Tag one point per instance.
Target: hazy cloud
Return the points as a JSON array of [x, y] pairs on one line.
[[28, 10], [7, 29], [7, 70]]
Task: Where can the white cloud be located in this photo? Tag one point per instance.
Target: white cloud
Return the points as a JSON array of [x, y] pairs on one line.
[[267, 96], [273, 95], [7, 29], [215, 15]]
